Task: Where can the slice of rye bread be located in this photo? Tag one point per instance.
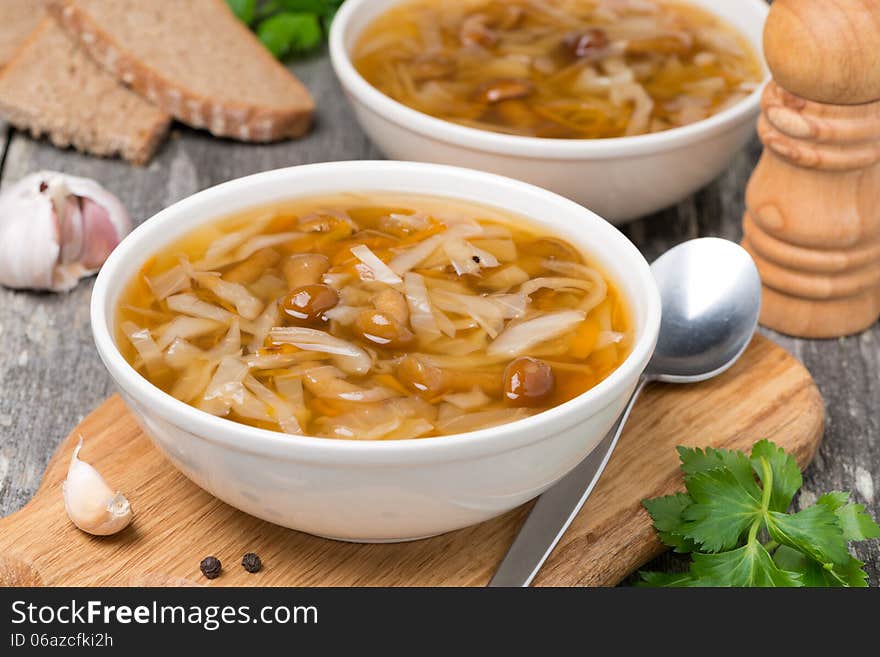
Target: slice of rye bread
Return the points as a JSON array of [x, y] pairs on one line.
[[195, 60], [18, 18], [52, 87]]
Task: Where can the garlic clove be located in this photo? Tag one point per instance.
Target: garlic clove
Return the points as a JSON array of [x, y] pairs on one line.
[[56, 229], [90, 503], [71, 230], [100, 235], [29, 247]]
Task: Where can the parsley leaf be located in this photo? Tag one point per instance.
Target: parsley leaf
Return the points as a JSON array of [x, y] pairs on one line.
[[245, 10], [309, 6], [856, 524], [287, 27], [787, 478], [835, 499], [290, 32], [734, 522], [667, 515], [328, 15], [814, 574], [665, 580], [813, 531], [722, 510], [694, 461], [750, 565]]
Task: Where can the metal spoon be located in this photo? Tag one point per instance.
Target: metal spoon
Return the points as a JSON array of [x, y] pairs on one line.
[[711, 295]]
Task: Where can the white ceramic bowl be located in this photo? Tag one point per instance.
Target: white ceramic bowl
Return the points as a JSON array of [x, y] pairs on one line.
[[620, 179], [368, 490]]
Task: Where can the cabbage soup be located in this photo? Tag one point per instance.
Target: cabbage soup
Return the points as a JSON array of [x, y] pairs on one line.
[[561, 69], [373, 317]]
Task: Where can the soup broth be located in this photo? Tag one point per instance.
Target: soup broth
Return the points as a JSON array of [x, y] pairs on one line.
[[564, 69], [373, 317]]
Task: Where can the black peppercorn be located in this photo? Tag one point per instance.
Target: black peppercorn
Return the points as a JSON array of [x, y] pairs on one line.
[[251, 563], [211, 567]]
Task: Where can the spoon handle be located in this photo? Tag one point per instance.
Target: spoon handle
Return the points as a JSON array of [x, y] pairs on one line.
[[557, 508]]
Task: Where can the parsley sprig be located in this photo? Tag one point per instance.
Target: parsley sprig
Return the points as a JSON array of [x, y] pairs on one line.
[[287, 27], [734, 522]]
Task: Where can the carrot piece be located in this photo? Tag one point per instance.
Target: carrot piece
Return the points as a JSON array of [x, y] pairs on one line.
[[585, 337], [390, 382]]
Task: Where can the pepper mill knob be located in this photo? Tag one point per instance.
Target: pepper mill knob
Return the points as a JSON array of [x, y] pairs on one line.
[[812, 219]]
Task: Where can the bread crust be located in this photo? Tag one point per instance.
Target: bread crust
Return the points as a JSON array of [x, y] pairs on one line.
[[242, 121], [137, 149]]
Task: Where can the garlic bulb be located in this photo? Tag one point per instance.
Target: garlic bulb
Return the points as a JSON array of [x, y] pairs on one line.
[[90, 502], [55, 229]]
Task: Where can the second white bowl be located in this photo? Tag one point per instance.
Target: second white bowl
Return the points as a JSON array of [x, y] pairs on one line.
[[620, 179]]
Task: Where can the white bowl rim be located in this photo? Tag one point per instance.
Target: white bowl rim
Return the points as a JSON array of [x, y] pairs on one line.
[[531, 147], [245, 438]]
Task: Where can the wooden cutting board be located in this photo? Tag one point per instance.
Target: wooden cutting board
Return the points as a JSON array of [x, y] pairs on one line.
[[768, 394]]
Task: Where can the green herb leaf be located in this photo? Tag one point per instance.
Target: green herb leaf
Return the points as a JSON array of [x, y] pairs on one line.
[[245, 10], [288, 26], [727, 509], [854, 521], [787, 478], [814, 574], [835, 499], [665, 580], [667, 515], [267, 8], [813, 531], [694, 461], [289, 32], [750, 565], [328, 16], [306, 6], [721, 512]]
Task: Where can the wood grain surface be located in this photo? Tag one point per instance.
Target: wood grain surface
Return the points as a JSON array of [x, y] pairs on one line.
[[50, 374], [768, 393], [824, 50], [813, 219]]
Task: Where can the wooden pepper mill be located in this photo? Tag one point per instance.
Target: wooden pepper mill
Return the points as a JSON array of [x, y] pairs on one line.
[[812, 222]]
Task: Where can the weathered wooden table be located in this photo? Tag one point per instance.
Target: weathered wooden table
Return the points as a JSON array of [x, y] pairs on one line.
[[50, 374]]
